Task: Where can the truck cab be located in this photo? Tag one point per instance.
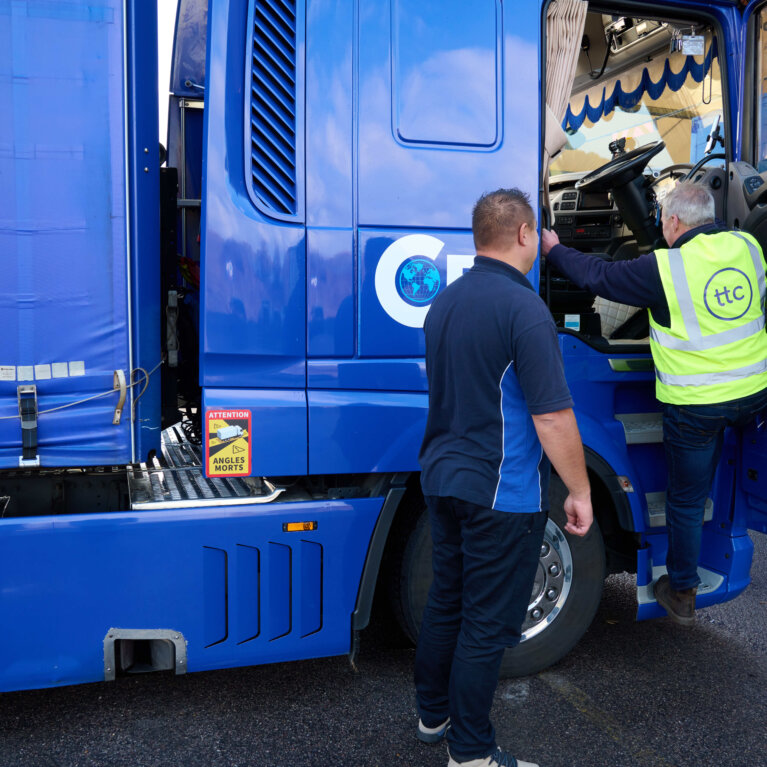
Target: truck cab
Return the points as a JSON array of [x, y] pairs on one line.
[[212, 379]]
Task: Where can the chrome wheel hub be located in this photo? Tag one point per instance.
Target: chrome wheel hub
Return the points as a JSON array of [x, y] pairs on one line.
[[552, 582]]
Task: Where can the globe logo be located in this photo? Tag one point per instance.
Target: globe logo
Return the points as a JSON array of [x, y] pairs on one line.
[[418, 280]]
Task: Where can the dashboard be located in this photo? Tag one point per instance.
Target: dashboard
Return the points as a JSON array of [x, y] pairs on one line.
[[589, 221]]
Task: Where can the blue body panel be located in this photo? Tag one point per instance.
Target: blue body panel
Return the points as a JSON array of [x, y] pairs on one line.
[[253, 271], [381, 165], [64, 306], [599, 393], [360, 432], [449, 105], [278, 423], [239, 589], [750, 507], [330, 293], [144, 201], [330, 115], [375, 375]]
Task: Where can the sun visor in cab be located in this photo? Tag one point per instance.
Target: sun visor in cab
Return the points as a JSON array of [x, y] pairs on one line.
[[555, 137]]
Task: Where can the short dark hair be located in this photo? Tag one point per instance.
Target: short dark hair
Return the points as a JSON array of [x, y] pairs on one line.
[[497, 216]]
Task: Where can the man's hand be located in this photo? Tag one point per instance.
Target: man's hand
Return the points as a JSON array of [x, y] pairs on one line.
[[560, 439], [579, 515], [548, 240]]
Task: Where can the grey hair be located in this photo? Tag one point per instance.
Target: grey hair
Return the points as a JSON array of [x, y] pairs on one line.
[[693, 204]]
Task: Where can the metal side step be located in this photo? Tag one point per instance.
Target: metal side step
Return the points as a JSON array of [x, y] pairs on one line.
[[709, 581], [642, 428], [178, 480], [656, 509]]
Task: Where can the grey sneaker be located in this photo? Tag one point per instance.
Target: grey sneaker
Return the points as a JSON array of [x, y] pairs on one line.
[[498, 759], [680, 605], [432, 735]]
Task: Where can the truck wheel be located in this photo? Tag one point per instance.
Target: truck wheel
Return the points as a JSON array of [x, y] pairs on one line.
[[565, 597]]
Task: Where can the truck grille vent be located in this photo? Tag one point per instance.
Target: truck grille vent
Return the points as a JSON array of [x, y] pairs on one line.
[[273, 105]]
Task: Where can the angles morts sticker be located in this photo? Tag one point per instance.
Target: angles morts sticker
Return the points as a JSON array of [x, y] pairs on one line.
[[227, 443]]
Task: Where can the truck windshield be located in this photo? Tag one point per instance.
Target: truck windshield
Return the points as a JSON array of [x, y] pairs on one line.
[[672, 97]]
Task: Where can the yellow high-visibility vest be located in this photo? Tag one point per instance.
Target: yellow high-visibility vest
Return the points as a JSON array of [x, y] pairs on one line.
[[716, 347]]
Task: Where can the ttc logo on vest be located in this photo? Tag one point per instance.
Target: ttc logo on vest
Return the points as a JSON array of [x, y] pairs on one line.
[[407, 278], [728, 294]]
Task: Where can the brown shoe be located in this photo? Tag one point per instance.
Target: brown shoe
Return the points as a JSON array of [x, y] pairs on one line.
[[680, 605]]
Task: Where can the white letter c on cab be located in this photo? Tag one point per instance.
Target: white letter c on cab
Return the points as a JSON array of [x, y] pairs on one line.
[[386, 276]]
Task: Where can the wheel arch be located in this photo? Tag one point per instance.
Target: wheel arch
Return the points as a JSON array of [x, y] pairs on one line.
[[403, 577], [402, 488], [612, 512]]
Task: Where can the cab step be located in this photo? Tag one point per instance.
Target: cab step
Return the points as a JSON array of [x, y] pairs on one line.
[[642, 428], [709, 582], [656, 509], [177, 480]]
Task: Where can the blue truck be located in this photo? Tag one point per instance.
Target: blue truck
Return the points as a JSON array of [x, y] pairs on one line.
[[212, 385]]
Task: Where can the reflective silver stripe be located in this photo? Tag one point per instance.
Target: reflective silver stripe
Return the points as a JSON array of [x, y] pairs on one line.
[[709, 342], [756, 257], [708, 379], [683, 295]]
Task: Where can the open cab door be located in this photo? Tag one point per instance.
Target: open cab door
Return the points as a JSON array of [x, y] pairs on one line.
[[750, 506], [655, 98]]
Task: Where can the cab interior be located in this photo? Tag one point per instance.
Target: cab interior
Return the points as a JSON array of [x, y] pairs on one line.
[[645, 107]]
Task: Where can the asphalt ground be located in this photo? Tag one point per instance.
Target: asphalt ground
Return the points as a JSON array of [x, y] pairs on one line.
[[645, 695]]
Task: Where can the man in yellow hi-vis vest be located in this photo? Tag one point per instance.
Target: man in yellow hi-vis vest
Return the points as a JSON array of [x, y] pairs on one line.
[[706, 301]]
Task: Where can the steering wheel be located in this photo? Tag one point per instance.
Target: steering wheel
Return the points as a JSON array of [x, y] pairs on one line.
[[621, 169], [678, 171]]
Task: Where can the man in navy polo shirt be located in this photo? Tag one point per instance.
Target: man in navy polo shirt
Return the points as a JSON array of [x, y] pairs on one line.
[[499, 409]]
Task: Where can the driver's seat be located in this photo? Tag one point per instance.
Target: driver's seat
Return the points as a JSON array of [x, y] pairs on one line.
[[621, 321]]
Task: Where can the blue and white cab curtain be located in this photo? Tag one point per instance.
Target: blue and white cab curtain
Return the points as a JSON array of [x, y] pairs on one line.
[[660, 75]]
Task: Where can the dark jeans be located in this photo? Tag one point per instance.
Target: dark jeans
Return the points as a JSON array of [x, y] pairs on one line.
[[484, 565], [693, 436]]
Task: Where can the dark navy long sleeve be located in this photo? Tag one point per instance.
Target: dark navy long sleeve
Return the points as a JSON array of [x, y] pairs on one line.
[[636, 282]]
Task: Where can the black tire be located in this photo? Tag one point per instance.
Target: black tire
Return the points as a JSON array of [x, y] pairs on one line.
[[563, 631], [566, 613], [408, 572]]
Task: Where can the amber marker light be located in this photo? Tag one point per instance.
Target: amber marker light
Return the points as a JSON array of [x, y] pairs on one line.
[[298, 527]]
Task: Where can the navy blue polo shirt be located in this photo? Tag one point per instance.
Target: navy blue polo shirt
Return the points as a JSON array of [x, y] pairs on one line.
[[492, 360]]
